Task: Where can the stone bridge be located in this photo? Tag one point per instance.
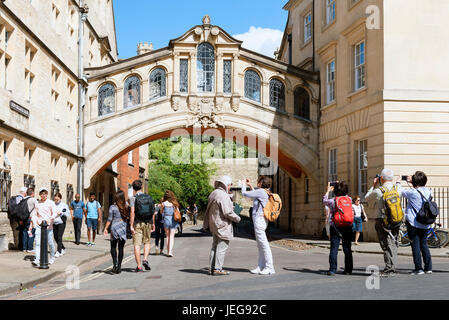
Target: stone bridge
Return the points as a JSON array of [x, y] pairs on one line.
[[203, 81]]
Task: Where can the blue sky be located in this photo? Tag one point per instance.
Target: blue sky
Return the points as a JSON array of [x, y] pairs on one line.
[[259, 23]]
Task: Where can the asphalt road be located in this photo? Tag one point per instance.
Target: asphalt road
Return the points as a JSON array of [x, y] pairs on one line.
[[298, 276]]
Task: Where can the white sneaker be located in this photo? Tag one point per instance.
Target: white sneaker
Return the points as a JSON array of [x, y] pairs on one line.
[[429, 272], [62, 252], [419, 272], [266, 272], [57, 255], [256, 271], [51, 260], [36, 262]]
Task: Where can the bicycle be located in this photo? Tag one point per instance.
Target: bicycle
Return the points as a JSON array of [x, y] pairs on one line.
[[436, 238]]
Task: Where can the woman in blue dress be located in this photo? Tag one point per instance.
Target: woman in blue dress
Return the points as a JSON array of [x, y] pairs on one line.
[[167, 209]]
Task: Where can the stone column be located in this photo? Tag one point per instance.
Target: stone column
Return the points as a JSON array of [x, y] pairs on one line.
[[219, 73], [265, 92], [192, 84], [145, 91], [176, 72], [235, 75], [119, 105], [169, 84], [289, 101]]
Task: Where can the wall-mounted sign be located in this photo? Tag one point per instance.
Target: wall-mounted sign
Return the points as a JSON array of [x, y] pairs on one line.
[[19, 109]]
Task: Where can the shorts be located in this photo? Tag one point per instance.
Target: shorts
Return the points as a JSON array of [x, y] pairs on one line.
[[357, 225], [92, 223], [142, 233]]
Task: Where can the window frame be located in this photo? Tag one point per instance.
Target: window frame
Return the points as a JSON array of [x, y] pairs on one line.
[[226, 74], [359, 72], [332, 164], [202, 75], [247, 83], [299, 110], [184, 76], [281, 94], [330, 5], [114, 92], [126, 93], [362, 171], [330, 83], [162, 86], [307, 25]]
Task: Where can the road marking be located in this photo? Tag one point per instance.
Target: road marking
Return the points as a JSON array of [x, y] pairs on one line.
[[88, 278]]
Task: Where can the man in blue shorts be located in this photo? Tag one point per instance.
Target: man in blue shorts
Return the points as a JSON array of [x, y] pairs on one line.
[[93, 217], [77, 211]]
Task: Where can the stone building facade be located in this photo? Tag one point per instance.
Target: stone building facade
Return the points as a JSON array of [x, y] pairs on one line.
[[39, 77], [384, 93]]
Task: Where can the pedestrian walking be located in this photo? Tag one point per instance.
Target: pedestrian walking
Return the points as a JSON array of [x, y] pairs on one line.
[[417, 232], [93, 217], [142, 223], [260, 198], [159, 228], [388, 235], [218, 220], [342, 218], [45, 210], [169, 205], [359, 217], [117, 221], [28, 237], [59, 224], [15, 223], [77, 211]]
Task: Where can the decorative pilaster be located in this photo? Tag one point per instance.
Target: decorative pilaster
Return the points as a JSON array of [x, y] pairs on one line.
[[219, 79], [193, 82], [176, 72]]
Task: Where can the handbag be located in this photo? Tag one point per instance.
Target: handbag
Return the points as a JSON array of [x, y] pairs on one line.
[[177, 215]]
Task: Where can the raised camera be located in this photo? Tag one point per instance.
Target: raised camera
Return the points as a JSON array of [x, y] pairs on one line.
[[333, 183]]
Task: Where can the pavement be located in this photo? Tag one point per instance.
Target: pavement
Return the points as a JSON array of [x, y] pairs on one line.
[[20, 279]]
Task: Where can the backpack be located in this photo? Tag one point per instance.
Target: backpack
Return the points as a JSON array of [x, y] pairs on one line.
[[394, 214], [144, 207], [273, 208], [12, 204], [428, 212], [21, 211], [343, 215]]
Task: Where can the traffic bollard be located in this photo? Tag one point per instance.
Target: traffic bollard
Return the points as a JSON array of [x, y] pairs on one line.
[[44, 246]]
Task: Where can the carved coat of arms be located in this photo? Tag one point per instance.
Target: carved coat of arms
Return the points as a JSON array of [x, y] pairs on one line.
[[204, 113]]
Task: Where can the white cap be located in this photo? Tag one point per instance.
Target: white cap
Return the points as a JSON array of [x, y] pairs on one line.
[[387, 174], [227, 180], [23, 189], [43, 189]]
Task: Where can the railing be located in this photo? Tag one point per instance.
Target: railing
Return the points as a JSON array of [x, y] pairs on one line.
[[441, 197]]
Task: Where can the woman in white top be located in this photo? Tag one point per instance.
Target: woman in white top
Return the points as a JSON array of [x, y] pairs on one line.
[[359, 217], [63, 213], [260, 197]]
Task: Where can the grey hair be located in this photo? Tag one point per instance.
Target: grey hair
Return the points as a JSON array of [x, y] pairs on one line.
[[387, 174]]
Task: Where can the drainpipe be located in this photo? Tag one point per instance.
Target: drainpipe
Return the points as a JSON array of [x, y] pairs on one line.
[[81, 97], [313, 35]]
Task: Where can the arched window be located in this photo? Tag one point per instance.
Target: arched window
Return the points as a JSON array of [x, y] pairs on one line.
[[157, 84], [131, 92], [302, 103], [106, 99], [252, 85], [277, 94], [205, 66]]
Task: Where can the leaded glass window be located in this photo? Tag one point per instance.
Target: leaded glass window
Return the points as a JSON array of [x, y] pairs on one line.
[[302, 103], [131, 92], [183, 75], [227, 76], [157, 84], [277, 94], [205, 67], [106, 99], [252, 85]]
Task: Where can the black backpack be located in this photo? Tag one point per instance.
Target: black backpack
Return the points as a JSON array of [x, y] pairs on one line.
[[21, 211], [144, 207], [12, 204], [428, 212]]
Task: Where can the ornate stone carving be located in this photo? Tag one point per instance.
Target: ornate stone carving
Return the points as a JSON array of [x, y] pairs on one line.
[[235, 103], [206, 19], [203, 112], [99, 133]]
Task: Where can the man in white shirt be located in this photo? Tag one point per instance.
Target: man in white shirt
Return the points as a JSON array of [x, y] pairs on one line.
[[45, 210]]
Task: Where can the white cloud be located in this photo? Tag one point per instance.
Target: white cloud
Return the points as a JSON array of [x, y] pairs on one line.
[[261, 40]]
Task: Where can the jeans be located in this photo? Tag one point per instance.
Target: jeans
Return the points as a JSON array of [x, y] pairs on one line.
[[389, 244], [26, 239], [265, 256], [51, 243], [346, 237], [217, 253], [58, 232], [418, 238], [77, 225], [121, 245], [160, 235]]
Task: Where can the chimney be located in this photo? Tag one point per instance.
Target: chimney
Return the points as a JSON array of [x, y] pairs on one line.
[[144, 48]]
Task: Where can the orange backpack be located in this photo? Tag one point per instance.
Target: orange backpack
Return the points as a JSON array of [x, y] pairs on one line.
[[273, 208], [343, 216]]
